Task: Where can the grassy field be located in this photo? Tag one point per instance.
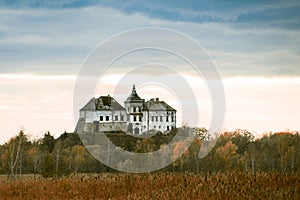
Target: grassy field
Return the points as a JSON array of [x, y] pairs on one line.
[[155, 186]]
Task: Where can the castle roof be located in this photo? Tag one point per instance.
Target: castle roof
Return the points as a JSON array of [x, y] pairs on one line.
[[156, 105], [102, 103], [89, 106], [109, 103], [134, 97]]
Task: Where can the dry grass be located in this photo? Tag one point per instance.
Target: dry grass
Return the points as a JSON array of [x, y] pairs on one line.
[[156, 186]]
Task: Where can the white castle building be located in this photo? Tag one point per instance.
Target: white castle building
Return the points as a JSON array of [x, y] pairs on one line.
[[106, 114]]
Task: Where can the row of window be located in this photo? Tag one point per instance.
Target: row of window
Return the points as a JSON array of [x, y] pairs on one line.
[[107, 118], [138, 109], [168, 127], [170, 113], [159, 127], [155, 118], [137, 118], [134, 109]]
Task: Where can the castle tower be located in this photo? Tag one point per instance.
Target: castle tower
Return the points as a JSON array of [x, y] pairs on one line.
[[134, 105]]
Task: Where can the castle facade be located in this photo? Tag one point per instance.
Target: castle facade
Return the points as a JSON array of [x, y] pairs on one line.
[[137, 117]]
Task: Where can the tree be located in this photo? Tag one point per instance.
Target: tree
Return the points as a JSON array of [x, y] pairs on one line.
[[35, 156], [12, 154], [253, 154], [180, 154], [48, 142], [79, 156], [57, 150], [283, 143], [226, 156], [242, 138], [203, 134], [193, 162], [48, 168], [5, 159]]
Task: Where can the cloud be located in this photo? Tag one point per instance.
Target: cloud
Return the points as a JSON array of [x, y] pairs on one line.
[[236, 51], [269, 104], [6, 107], [35, 102], [186, 11], [55, 41], [55, 37], [30, 77]]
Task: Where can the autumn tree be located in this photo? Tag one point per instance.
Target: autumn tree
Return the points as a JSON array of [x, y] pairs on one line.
[[11, 155], [35, 156], [253, 154], [226, 156]]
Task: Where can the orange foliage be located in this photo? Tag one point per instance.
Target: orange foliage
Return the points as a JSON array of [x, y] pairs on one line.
[[179, 147]]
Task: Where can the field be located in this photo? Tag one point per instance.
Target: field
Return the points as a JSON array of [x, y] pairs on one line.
[[156, 186]]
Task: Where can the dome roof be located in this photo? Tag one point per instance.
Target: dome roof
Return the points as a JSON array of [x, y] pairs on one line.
[[134, 96]]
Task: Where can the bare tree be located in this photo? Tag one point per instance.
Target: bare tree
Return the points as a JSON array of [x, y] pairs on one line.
[[57, 150], [35, 154], [253, 155], [57, 159], [15, 152]]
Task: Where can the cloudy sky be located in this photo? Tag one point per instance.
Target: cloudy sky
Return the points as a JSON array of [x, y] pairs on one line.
[[254, 44]]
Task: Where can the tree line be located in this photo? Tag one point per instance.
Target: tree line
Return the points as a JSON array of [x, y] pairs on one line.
[[236, 150]]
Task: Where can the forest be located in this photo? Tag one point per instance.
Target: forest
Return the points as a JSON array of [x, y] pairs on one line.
[[236, 151]]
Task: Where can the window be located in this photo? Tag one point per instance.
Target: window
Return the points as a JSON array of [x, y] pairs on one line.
[[154, 127], [122, 117], [134, 118], [167, 128], [161, 118], [116, 117], [134, 109], [172, 119], [156, 118], [140, 118], [152, 118], [167, 119], [101, 118], [106, 118], [159, 127]]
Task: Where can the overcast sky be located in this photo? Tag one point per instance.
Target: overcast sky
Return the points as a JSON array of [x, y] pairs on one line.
[[254, 44]]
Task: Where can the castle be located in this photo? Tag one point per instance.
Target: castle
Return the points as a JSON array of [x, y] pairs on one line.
[[139, 116]]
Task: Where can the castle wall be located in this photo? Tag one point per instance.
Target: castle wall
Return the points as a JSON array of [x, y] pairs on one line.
[[158, 120], [105, 116], [97, 127]]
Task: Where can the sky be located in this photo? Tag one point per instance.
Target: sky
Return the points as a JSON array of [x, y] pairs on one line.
[[254, 44]]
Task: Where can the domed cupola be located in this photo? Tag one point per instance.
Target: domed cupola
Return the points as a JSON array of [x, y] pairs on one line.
[[134, 104], [134, 97]]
